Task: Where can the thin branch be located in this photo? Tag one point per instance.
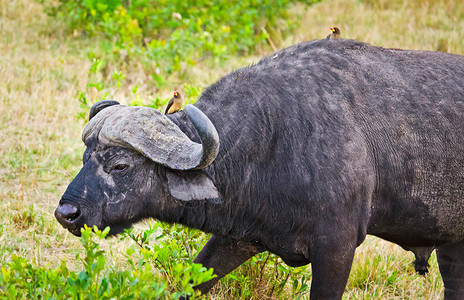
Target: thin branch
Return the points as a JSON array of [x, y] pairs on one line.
[[269, 40]]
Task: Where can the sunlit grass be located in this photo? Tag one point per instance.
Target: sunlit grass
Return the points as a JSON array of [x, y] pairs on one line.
[[420, 25], [383, 270], [41, 69]]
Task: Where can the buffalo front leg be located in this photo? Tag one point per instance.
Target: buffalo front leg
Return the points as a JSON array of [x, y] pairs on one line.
[[451, 263], [224, 254], [331, 261]]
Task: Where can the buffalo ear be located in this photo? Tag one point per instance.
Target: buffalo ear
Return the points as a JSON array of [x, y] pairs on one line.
[[192, 185]]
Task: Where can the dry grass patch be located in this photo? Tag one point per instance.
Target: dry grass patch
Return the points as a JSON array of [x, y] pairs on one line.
[[420, 25]]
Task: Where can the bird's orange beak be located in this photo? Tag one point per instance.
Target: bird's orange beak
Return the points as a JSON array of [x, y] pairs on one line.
[[333, 30], [176, 94]]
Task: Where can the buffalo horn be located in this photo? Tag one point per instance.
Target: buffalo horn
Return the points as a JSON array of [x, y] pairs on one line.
[[97, 107], [208, 135], [153, 134]]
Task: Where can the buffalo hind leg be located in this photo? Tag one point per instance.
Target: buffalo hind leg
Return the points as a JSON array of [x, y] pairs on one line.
[[224, 254], [451, 264]]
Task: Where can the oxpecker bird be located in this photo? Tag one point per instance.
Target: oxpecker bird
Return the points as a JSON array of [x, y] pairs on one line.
[[334, 35], [174, 104]]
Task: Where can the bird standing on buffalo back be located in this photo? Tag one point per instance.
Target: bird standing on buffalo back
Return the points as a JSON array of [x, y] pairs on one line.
[[174, 104], [335, 34]]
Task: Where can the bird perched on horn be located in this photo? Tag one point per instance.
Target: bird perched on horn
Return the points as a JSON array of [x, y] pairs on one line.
[[335, 34], [174, 104]]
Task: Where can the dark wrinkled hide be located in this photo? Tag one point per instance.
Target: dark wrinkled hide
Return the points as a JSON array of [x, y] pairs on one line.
[[320, 144]]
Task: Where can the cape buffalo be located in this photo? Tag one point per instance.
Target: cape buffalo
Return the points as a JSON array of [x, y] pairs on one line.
[[301, 154]]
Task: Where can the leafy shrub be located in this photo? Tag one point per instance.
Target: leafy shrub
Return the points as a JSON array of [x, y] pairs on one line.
[[175, 34], [149, 273], [159, 267]]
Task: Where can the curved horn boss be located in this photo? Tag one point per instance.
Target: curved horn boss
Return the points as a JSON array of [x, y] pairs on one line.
[[153, 134]]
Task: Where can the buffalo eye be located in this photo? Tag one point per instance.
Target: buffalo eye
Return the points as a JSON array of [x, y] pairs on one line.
[[119, 167]]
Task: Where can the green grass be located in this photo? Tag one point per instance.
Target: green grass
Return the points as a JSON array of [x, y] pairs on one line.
[[41, 70]]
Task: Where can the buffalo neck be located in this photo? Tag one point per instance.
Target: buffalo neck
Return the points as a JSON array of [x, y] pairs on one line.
[[228, 216]]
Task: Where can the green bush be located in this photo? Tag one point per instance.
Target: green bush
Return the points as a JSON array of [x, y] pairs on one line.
[[158, 266], [160, 271], [175, 34]]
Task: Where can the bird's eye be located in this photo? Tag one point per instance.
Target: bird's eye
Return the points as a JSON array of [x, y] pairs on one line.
[[120, 167]]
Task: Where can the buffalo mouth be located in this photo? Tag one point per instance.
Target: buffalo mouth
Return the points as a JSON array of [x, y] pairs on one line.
[[75, 231], [68, 215]]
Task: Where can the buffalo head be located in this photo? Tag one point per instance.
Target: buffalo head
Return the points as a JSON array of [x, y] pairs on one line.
[[137, 163]]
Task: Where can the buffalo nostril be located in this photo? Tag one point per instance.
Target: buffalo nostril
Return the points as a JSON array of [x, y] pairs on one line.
[[66, 213]]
